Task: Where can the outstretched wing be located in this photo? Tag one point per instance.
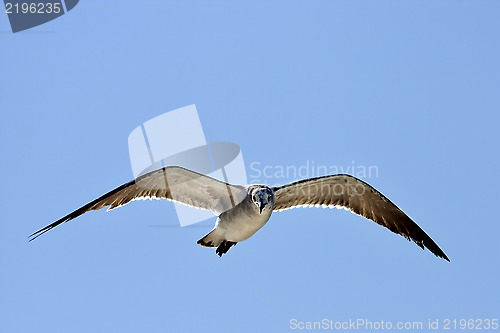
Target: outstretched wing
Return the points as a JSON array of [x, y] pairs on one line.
[[171, 183], [358, 197]]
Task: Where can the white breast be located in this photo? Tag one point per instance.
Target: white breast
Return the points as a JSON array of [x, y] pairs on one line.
[[243, 221]]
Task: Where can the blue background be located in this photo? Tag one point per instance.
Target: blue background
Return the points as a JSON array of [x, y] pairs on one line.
[[411, 87]]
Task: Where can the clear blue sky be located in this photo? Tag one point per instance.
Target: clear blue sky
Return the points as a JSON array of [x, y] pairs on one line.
[[410, 87]]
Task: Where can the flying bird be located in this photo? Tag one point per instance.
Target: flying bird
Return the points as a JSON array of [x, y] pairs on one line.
[[243, 209]]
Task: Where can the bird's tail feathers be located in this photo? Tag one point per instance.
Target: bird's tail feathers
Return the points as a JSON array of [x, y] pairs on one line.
[[213, 239]]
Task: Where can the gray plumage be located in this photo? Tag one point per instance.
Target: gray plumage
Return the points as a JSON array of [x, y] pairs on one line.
[[243, 210]]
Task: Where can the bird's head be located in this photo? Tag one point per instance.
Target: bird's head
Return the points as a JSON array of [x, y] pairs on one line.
[[263, 197]]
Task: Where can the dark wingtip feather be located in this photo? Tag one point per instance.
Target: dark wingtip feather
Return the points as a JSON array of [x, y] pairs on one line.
[[78, 212], [433, 247], [94, 205], [438, 252], [40, 232], [66, 218], [441, 254]]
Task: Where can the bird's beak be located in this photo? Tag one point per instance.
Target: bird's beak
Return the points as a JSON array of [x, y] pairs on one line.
[[262, 207]]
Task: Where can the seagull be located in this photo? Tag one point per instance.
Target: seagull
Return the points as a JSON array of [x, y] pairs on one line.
[[244, 209]]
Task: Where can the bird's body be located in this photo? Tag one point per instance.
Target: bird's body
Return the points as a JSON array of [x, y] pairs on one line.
[[243, 210], [242, 221]]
